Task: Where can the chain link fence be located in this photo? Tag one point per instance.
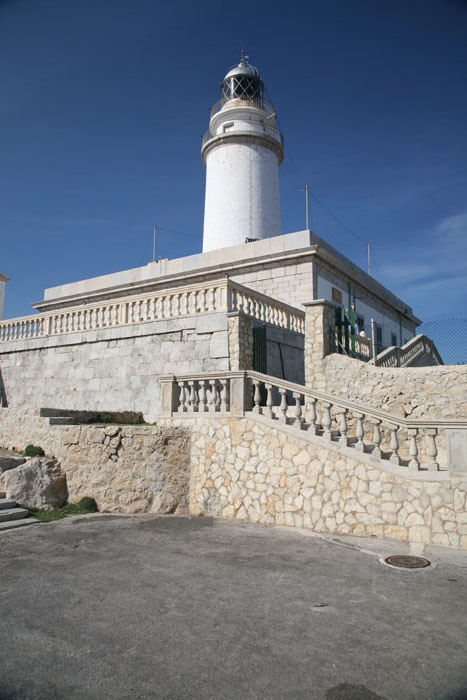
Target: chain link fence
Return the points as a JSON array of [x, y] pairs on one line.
[[450, 337]]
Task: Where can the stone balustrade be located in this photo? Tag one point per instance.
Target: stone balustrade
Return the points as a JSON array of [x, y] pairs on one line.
[[223, 295], [408, 354], [413, 444]]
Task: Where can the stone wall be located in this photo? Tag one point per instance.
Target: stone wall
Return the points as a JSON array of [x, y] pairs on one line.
[[247, 470], [127, 469], [113, 369], [240, 330], [284, 348], [250, 469], [419, 392], [285, 354]]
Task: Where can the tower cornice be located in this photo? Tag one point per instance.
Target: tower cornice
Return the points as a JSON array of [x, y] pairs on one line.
[[211, 141]]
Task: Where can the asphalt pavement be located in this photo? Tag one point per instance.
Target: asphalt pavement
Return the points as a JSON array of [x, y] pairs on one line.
[[118, 607]]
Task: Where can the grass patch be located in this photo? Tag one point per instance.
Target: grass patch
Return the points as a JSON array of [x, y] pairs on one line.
[[83, 507]]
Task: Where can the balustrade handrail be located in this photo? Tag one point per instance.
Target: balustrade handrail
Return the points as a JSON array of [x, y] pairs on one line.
[[262, 104], [219, 295], [330, 398], [225, 393], [270, 131], [267, 299], [396, 356]]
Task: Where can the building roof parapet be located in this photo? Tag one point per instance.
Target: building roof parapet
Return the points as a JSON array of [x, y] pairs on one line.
[[156, 275]]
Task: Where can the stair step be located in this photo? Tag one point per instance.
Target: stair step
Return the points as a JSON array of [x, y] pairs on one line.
[[13, 514], [59, 420], [7, 503], [11, 524]]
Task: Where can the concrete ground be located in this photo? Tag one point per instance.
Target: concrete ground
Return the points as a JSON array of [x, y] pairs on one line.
[[167, 607]]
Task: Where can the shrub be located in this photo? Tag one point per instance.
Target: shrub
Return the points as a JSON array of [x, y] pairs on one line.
[[88, 504], [33, 451]]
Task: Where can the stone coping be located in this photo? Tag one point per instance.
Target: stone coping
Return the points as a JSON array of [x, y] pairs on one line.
[[300, 244]]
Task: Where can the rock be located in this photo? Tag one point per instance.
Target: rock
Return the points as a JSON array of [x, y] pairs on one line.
[[39, 483], [10, 462]]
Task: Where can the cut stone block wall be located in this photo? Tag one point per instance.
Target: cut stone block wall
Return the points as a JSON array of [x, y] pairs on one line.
[[284, 348], [285, 354], [111, 369]]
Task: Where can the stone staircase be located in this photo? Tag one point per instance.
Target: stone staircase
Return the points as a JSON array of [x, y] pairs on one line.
[[11, 516]]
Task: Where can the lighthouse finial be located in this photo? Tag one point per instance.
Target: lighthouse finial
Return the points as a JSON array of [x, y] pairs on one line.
[[243, 57]]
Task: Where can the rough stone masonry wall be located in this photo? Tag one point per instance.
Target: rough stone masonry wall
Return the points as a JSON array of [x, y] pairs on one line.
[[127, 469], [245, 469], [418, 392]]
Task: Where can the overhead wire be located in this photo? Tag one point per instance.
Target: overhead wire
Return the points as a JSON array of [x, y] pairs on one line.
[[312, 195]]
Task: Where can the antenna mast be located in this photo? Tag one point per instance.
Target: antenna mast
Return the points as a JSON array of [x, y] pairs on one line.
[[307, 205], [154, 243]]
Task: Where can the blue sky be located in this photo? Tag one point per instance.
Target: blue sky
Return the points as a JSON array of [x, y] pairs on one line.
[[103, 102]]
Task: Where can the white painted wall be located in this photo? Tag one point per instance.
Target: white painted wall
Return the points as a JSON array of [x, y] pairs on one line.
[[242, 195], [242, 177], [365, 309]]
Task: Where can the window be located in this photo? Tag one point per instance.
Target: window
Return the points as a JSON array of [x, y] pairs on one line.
[[393, 339], [361, 323]]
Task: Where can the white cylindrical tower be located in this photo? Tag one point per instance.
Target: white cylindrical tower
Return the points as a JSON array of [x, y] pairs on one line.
[[242, 150]]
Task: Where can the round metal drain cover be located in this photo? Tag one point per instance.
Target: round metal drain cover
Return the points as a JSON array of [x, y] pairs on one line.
[[406, 561]]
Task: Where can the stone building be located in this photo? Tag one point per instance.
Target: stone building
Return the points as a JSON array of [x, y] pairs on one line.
[[237, 355]]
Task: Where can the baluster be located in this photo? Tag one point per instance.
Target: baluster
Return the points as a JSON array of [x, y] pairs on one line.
[[177, 304], [413, 449], [257, 397], [215, 298], [209, 299], [376, 437], [432, 451], [193, 398], [203, 404], [326, 420], [213, 402], [183, 398], [224, 395], [359, 432], [312, 417], [299, 419], [283, 405], [343, 439], [394, 443], [268, 409]]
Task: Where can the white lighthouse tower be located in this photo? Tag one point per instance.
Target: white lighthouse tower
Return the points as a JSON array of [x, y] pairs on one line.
[[242, 150]]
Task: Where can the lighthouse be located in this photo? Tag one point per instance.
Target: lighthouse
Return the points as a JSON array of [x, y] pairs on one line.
[[242, 150]]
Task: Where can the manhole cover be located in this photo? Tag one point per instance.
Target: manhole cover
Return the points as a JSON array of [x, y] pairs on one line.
[[406, 561]]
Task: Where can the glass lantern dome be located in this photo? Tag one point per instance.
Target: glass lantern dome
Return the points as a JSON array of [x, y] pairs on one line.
[[243, 83]]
